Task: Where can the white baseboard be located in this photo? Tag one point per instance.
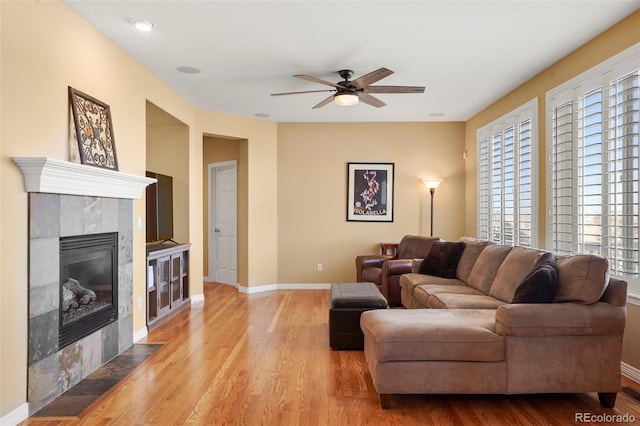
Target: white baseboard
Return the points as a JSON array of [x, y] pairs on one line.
[[315, 286], [287, 286], [197, 299], [631, 372], [16, 416], [140, 334], [257, 289]]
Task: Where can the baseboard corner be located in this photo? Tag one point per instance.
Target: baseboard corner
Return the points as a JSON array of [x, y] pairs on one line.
[[140, 334], [16, 416], [630, 372], [197, 299]]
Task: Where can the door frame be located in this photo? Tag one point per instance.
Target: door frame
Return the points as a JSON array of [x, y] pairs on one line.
[[212, 263]]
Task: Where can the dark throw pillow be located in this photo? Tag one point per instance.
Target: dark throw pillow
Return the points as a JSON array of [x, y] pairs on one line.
[[541, 284], [442, 260]]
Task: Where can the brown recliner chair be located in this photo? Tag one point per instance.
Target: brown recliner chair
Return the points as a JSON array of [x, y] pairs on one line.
[[385, 270]]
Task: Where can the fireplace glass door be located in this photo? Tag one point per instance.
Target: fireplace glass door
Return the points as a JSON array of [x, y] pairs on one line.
[[88, 284]]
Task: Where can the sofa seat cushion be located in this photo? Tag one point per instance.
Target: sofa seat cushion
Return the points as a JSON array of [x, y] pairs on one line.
[[373, 275], [463, 301], [423, 292], [433, 335], [410, 281]]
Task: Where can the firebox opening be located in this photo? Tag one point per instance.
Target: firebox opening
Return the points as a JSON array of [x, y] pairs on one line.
[[88, 285]]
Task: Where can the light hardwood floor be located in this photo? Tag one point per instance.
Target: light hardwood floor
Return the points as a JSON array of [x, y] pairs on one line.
[[264, 359]]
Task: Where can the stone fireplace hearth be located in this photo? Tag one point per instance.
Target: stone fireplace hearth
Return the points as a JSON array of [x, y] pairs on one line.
[[72, 200], [53, 370]]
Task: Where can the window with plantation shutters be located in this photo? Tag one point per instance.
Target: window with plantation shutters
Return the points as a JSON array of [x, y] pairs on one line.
[[593, 172], [506, 178]]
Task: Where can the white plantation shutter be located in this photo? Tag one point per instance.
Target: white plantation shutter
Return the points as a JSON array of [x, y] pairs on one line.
[[484, 190], [506, 178], [593, 165], [622, 133]]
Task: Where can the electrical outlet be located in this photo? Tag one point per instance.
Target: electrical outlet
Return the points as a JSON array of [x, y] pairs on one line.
[[139, 303], [139, 222], [319, 267]]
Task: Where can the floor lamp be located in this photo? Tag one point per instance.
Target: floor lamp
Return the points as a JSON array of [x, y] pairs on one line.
[[432, 184]]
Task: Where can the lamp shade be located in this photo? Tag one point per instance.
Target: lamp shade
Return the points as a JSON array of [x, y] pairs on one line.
[[346, 99], [432, 183]]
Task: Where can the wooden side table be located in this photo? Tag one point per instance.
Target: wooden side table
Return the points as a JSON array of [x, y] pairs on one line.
[[389, 248]]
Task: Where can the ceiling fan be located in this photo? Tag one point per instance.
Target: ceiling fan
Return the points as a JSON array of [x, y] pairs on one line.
[[351, 92]]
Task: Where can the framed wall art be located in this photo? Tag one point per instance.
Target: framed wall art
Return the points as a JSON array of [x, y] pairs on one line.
[[93, 130], [370, 192]]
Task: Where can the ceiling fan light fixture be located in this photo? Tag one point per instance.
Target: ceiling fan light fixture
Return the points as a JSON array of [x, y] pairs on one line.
[[346, 99]]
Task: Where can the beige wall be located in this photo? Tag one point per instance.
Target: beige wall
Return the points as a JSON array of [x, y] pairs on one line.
[[312, 192], [167, 151], [214, 150], [621, 36], [257, 191]]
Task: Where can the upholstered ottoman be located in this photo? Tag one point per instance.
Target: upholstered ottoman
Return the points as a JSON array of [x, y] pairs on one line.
[[346, 303]]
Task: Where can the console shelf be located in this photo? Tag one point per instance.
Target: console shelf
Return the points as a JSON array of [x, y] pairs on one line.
[[167, 281]]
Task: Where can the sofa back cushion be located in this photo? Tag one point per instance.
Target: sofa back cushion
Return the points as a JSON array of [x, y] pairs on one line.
[[541, 284], [582, 278], [486, 266], [472, 250], [414, 246], [515, 267], [442, 260]]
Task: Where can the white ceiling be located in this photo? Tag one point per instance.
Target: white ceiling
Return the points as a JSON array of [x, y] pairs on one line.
[[467, 53]]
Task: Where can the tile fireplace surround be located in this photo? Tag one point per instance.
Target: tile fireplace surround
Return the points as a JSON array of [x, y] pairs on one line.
[[67, 199]]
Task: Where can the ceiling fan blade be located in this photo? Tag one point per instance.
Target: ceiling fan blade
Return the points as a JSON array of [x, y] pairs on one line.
[[324, 102], [370, 100], [316, 80], [393, 89], [297, 93], [372, 77]]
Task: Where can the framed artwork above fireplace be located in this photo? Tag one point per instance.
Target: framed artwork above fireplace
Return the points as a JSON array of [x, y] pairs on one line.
[[93, 130]]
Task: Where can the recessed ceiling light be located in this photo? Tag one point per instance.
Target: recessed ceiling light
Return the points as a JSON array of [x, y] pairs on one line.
[[142, 24], [261, 115], [188, 70], [436, 114]]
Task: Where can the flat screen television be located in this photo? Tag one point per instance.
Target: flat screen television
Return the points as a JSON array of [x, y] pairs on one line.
[[159, 208]]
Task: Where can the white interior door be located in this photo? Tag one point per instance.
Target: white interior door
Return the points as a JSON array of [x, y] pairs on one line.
[[223, 223]]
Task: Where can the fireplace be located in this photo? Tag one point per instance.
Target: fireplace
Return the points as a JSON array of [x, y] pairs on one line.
[[88, 285], [67, 200]]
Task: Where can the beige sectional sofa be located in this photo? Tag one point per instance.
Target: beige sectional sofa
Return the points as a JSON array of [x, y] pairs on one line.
[[464, 334]]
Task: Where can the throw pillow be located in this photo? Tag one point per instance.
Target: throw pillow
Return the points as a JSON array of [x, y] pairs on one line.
[[541, 284], [442, 260]]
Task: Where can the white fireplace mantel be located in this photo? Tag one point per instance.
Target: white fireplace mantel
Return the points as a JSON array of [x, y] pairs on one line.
[[42, 174]]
